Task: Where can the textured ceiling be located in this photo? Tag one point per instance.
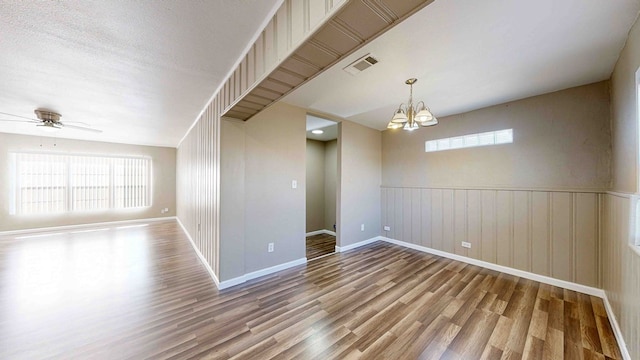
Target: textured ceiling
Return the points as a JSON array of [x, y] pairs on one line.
[[141, 71], [470, 54]]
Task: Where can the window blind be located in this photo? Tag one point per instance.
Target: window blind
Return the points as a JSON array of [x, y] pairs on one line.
[[52, 183]]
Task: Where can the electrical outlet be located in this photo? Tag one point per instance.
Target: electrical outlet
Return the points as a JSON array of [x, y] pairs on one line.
[[362, 227], [270, 248], [387, 228], [466, 245]]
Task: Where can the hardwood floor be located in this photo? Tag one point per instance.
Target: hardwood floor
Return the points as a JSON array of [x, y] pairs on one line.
[[141, 293], [320, 245]]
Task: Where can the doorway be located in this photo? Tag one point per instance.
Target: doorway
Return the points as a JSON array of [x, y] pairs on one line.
[[321, 185]]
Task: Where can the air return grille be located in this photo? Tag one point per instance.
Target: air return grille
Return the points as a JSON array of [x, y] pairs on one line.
[[361, 64]]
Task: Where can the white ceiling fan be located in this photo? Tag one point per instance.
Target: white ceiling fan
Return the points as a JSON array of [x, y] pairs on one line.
[[49, 121]]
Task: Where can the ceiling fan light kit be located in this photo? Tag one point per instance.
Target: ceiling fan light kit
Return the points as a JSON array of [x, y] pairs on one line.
[[410, 117]]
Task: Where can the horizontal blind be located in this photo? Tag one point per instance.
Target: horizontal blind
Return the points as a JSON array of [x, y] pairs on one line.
[[51, 183]]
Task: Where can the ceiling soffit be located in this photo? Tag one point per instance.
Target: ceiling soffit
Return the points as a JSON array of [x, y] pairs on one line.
[[356, 24]]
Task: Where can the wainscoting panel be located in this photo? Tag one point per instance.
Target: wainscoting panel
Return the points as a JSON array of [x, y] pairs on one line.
[[551, 233], [198, 184], [621, 268]]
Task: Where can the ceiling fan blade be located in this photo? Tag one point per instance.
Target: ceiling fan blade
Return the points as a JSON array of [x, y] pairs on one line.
[[80, 128], [22, 121], [76, 122], [21, 117]]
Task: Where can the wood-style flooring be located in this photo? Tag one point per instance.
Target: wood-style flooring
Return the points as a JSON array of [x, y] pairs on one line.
[[140, 292], [320, 245]]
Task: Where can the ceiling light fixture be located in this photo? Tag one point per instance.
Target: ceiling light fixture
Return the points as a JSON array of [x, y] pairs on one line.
[[317, 131], [409, 117]]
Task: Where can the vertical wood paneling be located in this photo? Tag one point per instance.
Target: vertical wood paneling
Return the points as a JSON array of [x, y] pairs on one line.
[[198, 182], [562, 236], [436, 219], [448, 219], [621, 268], [425, 195], [548, 233], [540, 228], [460, 221], [397, 219], [522, 230], [474, 222], [504, 228], [270, 45], [586, 246], [317, 11], [283, 40], [416, 216], [488, 215], [297, 20], [407, 218]]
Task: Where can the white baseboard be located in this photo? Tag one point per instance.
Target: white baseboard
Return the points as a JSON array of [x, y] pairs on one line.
[[81, 226], [203, 260], [318, 232], [616, 328], [507, 270], [358, 244], [262, 272], [240, 279]]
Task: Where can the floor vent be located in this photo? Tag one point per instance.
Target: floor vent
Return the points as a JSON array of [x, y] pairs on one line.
[[361, 64]]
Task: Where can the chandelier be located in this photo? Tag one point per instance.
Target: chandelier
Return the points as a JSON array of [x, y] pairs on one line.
[[410, 117]]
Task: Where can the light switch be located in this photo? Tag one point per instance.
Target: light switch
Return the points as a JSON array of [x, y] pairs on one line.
[[294, 184]]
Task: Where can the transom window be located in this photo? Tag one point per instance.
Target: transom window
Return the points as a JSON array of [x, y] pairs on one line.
[[44, 183], [472, 140]]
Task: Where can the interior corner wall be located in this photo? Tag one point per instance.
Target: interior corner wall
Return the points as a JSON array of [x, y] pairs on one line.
[[275, 142], [232, 206], [359, 169], [620, 264], [198, 184], [163, 188], [330, 183], [315, 185], [532, 205]]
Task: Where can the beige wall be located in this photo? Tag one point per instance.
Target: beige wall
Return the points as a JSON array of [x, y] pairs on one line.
[[330, 179], [315, 178], [620, 264], [531, 205], [164, 181], [232, 207], [359, 151], [561, 142], [275, 155]]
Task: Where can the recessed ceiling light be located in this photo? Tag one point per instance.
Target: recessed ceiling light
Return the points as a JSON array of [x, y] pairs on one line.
[[317, 131]]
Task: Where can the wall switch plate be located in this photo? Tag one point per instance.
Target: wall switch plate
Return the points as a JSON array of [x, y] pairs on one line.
[[466, 245], [362, 227], [270, 248], [294, 184], [387, 228]]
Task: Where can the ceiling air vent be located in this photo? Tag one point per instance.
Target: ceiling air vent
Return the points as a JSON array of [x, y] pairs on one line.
[[361, 64]]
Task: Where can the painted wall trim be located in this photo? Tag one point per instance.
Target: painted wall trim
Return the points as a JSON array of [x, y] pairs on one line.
[[318, 232], [79, 226], [507, 270], [200, 256], [259, 273], [616, 328], [506, 188], [621, 194], [358, 244]]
